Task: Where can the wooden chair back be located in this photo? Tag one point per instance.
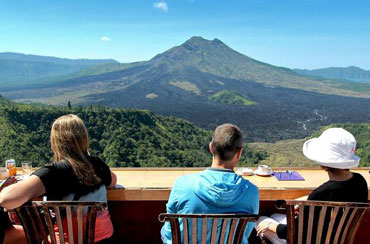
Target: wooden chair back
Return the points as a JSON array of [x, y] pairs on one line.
[[223, 228], [323, 222], [39, 220]]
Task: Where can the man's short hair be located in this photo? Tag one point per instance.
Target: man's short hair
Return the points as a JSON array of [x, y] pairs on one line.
[[227, 140]]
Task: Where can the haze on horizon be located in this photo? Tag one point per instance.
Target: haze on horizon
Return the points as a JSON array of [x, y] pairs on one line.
[[296, 34]]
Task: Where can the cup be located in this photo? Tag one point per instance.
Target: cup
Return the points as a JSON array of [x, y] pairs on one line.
[[27, 167], [11, 167], [247, 171], [4, 174], [264, 169]]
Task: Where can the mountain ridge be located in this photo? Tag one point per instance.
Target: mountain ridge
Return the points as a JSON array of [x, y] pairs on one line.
[[21, 69], [42, 58], [350, 73]]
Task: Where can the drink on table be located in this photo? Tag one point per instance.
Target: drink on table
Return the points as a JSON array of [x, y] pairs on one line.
[[10, 165], [4, 174], [27, 167]]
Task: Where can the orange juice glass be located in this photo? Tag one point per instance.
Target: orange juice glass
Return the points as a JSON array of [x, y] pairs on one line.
[[10, 165]]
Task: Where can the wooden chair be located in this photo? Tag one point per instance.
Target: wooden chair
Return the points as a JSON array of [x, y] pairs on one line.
[[39, 219], [223, 227], [323, 222]]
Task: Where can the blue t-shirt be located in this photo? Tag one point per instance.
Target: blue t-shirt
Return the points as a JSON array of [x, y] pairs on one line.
[[212, 191]]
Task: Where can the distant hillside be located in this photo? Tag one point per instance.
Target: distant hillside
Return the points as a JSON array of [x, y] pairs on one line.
[[351, 73], [288, 153], [124, 138], [19, 69]]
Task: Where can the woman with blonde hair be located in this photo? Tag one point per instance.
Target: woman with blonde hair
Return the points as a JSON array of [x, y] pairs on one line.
[[74, 175]]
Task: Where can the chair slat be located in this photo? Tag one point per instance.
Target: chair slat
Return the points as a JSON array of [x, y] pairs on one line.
[[32, 223], [341, 225], [185, 229], [214, 230], [355, 224], [233, 223], [333, 217], [25, 223], [320, 224], [351, 216], [223, 231], [80, 233], [59, 224], [194, 230], [70, 225], [291, 225], [300, 224], [90, 224], [176, 237], [204, 230], [240, 231], [310, 223], [49, 224], [40, 225]]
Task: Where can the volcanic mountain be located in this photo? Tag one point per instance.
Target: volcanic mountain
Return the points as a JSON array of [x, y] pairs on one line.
[[209, 83]]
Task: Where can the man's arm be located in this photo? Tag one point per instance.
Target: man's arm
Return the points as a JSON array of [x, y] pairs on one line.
[[171, 207]]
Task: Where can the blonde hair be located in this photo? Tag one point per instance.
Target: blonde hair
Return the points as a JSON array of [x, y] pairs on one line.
[[70, 141]]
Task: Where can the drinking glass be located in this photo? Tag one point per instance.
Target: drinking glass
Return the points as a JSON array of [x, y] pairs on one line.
[[27, 167], [10, 165]]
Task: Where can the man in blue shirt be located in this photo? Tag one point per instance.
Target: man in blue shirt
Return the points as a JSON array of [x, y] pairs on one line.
[[217, 189]]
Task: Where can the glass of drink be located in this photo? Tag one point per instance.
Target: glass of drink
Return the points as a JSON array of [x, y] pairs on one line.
[[10, 165], [27, 167]]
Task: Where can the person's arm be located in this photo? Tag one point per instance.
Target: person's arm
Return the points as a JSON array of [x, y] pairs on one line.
[[266, 225], [15, 195], [303, 198], [171, 207], [114, 180]]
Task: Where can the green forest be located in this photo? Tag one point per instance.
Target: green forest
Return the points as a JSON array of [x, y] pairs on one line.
[[123, 138], [132, 138]]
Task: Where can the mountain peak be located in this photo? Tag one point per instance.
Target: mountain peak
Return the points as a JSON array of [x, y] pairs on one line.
[[198, 41], [192, 47]]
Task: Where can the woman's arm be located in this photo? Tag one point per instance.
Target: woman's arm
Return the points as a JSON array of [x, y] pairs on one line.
[[303, 198], [114, 180], [266, 225], [15, 195]]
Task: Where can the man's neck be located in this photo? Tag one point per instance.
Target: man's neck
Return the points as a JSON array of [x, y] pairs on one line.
[[340, 175], [218, 164]]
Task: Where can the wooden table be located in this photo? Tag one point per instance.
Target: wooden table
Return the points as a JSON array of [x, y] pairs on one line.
[[156, 183]]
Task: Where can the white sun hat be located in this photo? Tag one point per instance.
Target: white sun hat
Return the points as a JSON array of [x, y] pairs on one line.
[[335, 148]]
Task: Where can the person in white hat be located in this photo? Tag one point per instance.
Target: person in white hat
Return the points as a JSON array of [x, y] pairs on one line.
[[334, 151]]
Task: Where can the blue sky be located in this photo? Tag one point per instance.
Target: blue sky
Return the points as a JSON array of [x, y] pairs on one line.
[[289, 33]]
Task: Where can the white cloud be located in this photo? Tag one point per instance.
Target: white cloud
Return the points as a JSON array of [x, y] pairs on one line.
[[162, 5], [105, 39]]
